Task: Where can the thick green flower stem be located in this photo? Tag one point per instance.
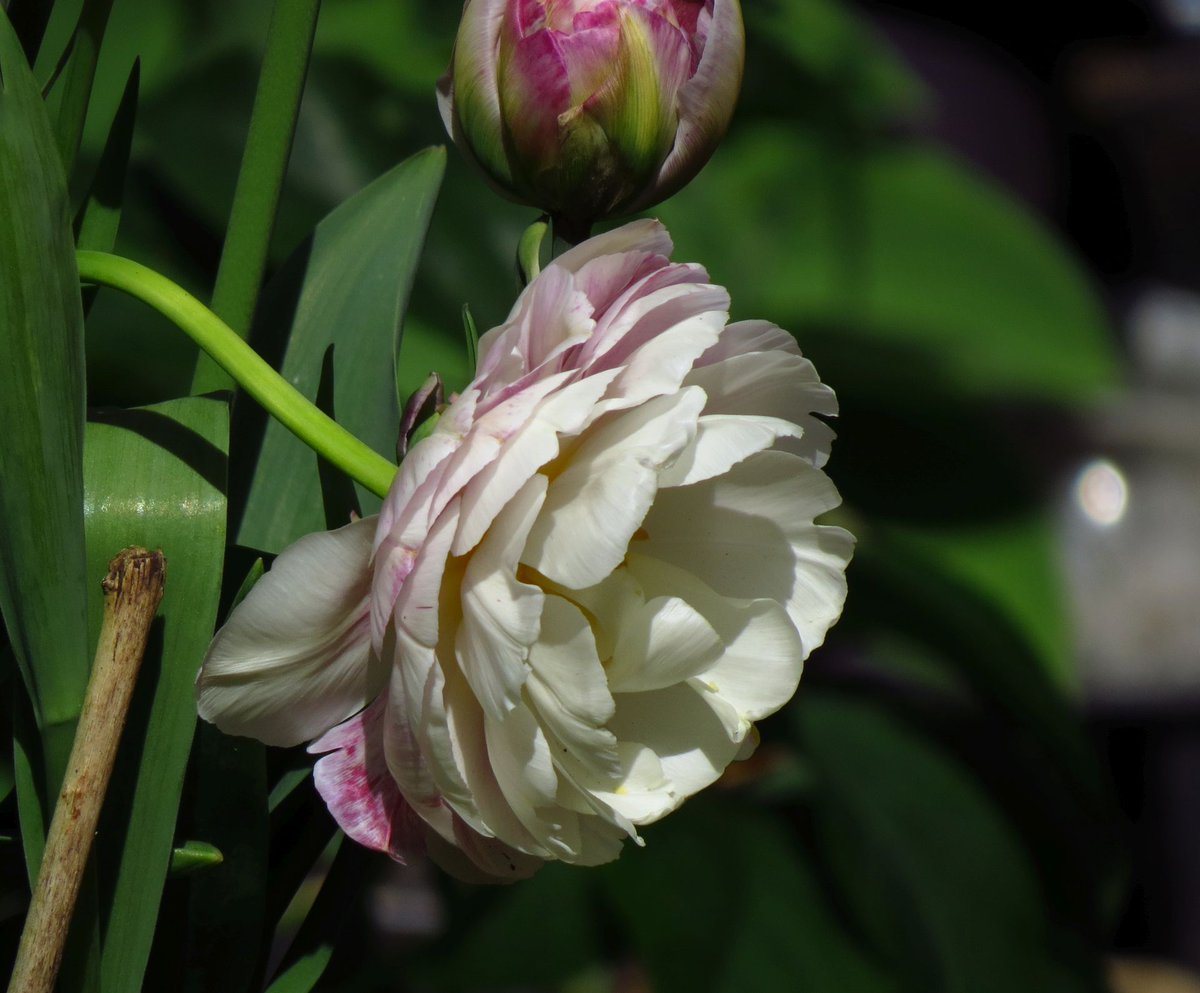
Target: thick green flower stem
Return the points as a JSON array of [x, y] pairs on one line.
[[276, 395]]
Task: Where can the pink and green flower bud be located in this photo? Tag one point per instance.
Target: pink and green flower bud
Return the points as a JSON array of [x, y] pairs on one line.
[[590, 109]]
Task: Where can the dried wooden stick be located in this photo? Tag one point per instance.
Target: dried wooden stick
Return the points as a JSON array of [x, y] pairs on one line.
[[133, 589]]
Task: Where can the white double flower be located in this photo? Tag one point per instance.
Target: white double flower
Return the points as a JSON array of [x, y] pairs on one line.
[[583, 589]]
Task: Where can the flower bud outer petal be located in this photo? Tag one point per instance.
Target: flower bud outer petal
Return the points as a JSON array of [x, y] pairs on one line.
[[467, 94], [637, 108], [705, 104], [534, 92]]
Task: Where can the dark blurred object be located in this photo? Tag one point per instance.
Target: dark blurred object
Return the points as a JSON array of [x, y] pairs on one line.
[[1094, 121]]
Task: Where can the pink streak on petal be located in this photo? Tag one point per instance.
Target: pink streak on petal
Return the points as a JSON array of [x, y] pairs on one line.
[[534, 91], [354, 782], [589, 55]]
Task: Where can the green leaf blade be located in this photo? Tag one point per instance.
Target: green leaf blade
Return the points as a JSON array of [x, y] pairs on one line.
[[155, 477], [43, 582], [355, 279]]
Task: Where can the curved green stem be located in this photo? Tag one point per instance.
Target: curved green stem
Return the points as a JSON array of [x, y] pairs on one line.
[[276, 395]]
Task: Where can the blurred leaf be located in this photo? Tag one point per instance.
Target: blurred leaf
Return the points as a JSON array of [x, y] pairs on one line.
[[408, 45], [935, 878], [29, 19], [846, 74], [721, 899], [304, 973], [27, 771], [224, 945], [317, 918], [505, 939], [72, 90], [899, 268], [222, 950], [300, 831], [348, 288], [155, 477], [99, 217], [915, 620], [790, 936], [1011, 563], [43, 585], [897, 587]]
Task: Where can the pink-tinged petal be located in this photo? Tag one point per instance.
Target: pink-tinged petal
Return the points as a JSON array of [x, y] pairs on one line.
[[687, 14], [744, 337], [662, 287], [660, 366], [646, 235], [467, 95], [527, 16], [604, 279], [354, 782], [562, 414], [416, 609], [705, 103], [646, 321], [550, 314], [294, 658]]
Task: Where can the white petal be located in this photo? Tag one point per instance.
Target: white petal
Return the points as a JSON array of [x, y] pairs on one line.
[[525, 771], [642, 793], [661, 643], [500, 615], [772, 384], [594, 507], [660, 366], [569, 692], [723, 440], [607, 602], [294, 658], [684, 733], [759, 668], [485, 808], [750, 535]]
